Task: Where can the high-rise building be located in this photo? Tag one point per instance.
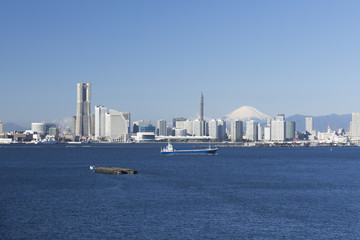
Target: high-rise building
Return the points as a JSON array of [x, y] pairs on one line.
[[355, 126], [1, 127], [161, 125], [260, 132], [221, 129], [309, 124], [203, 125], [201, 107], [278, 128], [83, 124], [178, 119], [197, 127], [100, 112], [117, 125], [290, 130], [251, 130], [213, 129], [236, 130]]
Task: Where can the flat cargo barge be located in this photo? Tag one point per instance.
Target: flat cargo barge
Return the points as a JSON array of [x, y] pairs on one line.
[[114, 170]]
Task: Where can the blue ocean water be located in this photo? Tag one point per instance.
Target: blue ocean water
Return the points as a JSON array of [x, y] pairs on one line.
[[240, 193]]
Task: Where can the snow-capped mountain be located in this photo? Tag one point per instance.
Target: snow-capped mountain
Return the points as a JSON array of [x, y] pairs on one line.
[[246, 113]]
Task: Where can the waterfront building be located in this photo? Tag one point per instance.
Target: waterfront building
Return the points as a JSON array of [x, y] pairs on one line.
[[99, 122], [197, 128], [180, 132], [290, 130], [355, 126], [117, 125], [138, 124], [189, 126], [83, 124], [267, 133], [213, 129], [251, 130], [43, 129], [278, 128], [236, 130], [221, 129], [260, 132], [161, 125], [309, 124], [177, 120]]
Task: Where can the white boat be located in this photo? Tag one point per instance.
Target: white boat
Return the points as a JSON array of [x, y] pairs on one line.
[[48, 141]]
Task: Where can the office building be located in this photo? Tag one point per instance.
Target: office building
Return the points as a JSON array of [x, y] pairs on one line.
[[83, 124], [355, 126], [236, 130], [251, 130], [178, 119], [117, 125], [309, 124], [213, 129], [99, 122], [290, 130], [221, 129], [267, 133], [260, 132], [161, 125], [278, 128]]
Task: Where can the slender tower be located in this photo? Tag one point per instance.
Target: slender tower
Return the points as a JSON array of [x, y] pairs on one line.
[[201, 107], [83, 111]]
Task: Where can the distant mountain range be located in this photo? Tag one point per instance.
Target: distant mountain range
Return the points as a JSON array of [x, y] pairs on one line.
[[336, 121], [10, 126]]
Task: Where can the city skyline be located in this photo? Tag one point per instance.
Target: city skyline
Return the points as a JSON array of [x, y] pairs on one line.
[[154, 58]]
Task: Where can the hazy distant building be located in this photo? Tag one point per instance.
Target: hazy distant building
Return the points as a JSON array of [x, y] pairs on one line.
[[83, 125], [278, 128], [236, 130], [43, 129], [178, 119], [1, 127], [197, 127], [100, 112], [260, 132], [251, 130], [213, 129], [221, 129], [161, 125], [309, 124], [290, 130], [267, 133], [117, 125], [355, 125]]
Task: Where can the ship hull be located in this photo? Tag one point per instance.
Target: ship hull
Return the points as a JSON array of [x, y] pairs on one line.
[[190, 152]]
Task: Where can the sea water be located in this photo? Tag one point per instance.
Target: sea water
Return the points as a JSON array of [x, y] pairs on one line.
[[240, 193]]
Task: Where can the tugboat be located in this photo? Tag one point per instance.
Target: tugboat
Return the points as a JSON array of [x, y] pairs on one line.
[[169, 150]]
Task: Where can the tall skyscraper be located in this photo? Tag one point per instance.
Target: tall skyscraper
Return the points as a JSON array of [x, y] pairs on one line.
[[100, 112], [355, 126], [278, 128], [251, 130], [213, 129], [236, 130], [290, 130], [309, 124], [83, 124], [161, 124], [221, 129], [117, 125], [1, 127]]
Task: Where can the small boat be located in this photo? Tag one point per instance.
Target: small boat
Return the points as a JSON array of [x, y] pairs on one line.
[[169, 150]]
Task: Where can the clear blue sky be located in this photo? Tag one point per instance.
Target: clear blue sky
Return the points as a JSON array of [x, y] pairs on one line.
[[154, 58]]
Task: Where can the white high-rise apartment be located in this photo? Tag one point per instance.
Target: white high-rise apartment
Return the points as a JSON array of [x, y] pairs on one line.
[[83, 110], [251, 130], [355, 125], [161, 125], [100, 112], [213, 129], [278, 128], [236, 130], [260, 132], [309, 124], [197, 128]]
